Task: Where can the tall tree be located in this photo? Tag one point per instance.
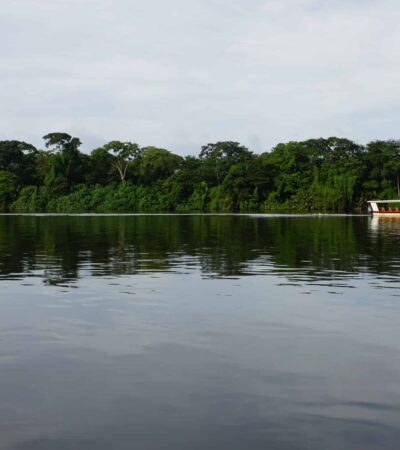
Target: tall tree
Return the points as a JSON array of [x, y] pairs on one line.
[[68, 165], [19, 158], [101, 169], [382, 164], [62, 142], [123, 154], [158, 163], [221, 155]]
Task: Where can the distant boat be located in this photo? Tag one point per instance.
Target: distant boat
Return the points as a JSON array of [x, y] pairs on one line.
[[384, 207]]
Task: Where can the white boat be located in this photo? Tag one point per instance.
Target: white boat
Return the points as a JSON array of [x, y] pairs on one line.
[[384, 207]]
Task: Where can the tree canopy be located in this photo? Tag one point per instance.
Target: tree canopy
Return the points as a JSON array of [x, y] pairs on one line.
[[332, 174]]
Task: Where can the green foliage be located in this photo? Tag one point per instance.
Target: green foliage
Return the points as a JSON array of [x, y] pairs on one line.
[[101, 167], [9, 187], [31, 199], [330, 174], [122, 154], [219, 157], [62, 142], [158, 163], [198, 201], [19, 158], [66, 166]]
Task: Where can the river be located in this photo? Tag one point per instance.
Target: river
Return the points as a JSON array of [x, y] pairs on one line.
[[169, 332]]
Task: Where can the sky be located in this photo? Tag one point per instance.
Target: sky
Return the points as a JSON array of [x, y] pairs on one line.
[[179, 74]]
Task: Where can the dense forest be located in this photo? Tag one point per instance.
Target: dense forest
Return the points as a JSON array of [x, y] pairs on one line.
[[334, 175]]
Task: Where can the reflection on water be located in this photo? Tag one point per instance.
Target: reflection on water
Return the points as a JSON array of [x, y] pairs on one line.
[[64, 249], [387, 224], [193, 332]]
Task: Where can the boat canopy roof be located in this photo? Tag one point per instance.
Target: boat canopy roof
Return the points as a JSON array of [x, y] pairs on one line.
[[384, 201]]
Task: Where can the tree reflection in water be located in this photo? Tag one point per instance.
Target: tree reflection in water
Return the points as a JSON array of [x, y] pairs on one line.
[[61, 249]]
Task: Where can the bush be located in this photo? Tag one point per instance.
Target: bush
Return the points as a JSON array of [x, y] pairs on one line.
[[9, 187], [31, 199]]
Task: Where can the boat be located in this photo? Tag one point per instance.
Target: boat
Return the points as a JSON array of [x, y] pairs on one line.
[[384, 207]]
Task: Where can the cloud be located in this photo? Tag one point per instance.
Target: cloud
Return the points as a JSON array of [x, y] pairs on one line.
[[281, 6], [185, 72]]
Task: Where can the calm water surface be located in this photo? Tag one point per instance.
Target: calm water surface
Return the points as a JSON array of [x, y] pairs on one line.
[[199, 332]]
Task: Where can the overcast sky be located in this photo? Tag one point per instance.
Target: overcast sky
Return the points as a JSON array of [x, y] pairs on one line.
[[181, 73]]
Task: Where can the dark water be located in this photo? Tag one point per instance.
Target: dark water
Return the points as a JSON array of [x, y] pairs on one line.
[[199, 332]]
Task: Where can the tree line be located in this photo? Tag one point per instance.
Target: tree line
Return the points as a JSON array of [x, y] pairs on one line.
[[333, 174]]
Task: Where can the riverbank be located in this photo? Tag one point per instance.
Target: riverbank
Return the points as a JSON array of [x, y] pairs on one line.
[[159, 197]]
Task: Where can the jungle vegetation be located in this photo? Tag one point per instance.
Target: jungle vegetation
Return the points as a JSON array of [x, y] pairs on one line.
[[332, 175]]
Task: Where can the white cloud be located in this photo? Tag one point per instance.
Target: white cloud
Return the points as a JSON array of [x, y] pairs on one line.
[[185, 72], [122, 68], [333, 40], [280, 6]]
